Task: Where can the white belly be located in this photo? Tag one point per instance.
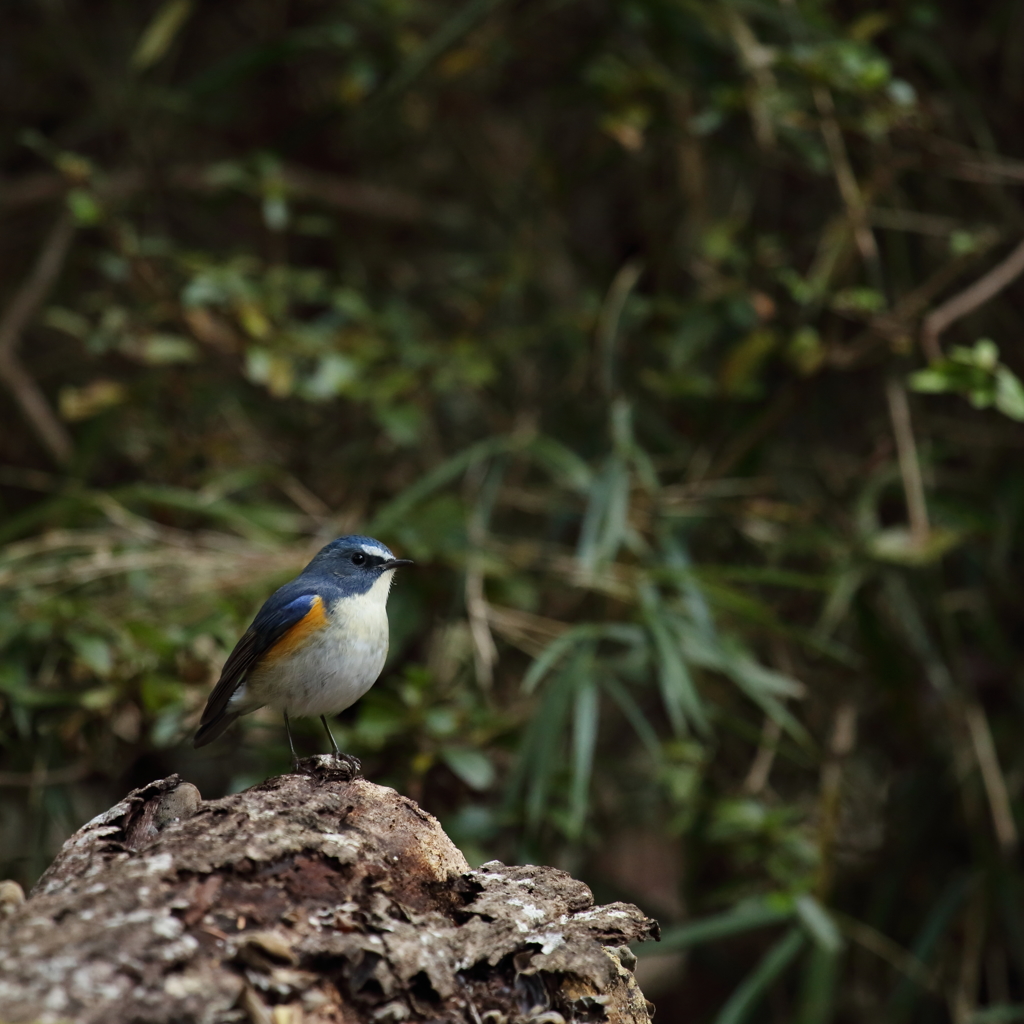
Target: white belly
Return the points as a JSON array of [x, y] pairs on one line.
[[331, 671]]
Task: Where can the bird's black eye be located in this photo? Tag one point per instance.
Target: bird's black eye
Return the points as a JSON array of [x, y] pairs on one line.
[[358, 558]]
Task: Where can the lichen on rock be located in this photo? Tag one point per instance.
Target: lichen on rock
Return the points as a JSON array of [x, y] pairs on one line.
[[312, 897]]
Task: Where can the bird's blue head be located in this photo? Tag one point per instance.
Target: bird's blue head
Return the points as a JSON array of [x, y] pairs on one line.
[[356, 563]]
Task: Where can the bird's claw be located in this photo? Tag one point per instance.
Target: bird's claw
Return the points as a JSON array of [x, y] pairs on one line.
[[351, 763], [329, 767]]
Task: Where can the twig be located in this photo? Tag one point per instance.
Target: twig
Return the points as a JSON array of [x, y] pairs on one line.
[[757, 60], [973, 296], [485, 651], [992, 776], [914, 221], [27, 300], [847, 182], [895, 324], [910, 467], [454, 29], [56, 777], [761, 766], [29, 479], [844, 737], [885, 949], [364, 197], [530, 633], [771, 732]]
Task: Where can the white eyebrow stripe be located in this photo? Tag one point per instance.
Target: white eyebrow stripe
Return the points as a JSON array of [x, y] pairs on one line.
[[377, 550]]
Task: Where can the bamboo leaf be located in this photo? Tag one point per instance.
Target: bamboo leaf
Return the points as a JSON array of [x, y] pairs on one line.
[[750, 991], [402, 505], [586, 711], [682, 702], [819, 924], [744, 918], [939, 918], [631, 710], [564, 466], [818, 986], [156, 40]]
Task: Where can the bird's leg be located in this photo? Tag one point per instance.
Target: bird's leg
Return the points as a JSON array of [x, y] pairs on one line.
[[291, 745], [330, 735], [355, 767]]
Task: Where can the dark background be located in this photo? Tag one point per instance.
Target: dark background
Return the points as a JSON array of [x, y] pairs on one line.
[[615, 317]]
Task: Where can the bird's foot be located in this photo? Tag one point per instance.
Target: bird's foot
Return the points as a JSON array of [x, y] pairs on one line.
[[329, 767], [349, 763]]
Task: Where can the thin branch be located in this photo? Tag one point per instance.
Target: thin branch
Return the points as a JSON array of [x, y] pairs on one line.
[[771, 731], [973, 296], [844, 739], [885, 949], [22, 307], [915, 221], [992, 776], [896, 323], [910, 466], [53, 777], [363, 197], [455, 28], [757, 60], [485, 651], [847, 182], [761, 766]]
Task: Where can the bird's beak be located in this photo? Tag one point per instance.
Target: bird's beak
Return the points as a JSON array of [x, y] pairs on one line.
[[396, 562]]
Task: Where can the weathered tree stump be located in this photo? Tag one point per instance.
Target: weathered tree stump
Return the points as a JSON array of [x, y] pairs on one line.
[[310, 898]]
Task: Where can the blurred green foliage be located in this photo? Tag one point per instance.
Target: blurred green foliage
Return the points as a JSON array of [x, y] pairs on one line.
[[607, 314]]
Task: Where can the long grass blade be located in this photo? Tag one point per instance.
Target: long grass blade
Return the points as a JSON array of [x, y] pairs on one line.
[[678, 692], [750, 991], [746, 917], [939, 918], [818, 986], [402, 505], [632, 713]]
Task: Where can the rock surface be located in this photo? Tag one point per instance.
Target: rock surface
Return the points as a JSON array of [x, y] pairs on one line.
[[310, 898]]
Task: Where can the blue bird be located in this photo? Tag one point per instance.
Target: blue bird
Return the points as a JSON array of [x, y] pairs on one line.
[[316, 646]]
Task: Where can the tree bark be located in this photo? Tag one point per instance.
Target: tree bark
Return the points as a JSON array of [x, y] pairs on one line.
[[313, 897]]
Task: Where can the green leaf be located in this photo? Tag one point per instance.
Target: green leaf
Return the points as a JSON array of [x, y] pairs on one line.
[[85, 208], [818, 986], [751, 990], [937, 922], [545, 744], [682, 702], [819, 924], [586, 711], [631, 710], [93, 651], [605, 521], [744, 918], [401, 506], [160, 32], [565, 467], [1009, 394], [474, 767]]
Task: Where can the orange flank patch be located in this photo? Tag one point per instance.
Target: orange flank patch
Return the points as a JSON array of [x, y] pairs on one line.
[[312, 622]]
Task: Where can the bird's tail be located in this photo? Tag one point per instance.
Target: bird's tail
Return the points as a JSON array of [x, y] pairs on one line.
[[210, 730]]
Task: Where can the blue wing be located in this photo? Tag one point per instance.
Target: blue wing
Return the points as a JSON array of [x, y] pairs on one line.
[[283, 613]]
